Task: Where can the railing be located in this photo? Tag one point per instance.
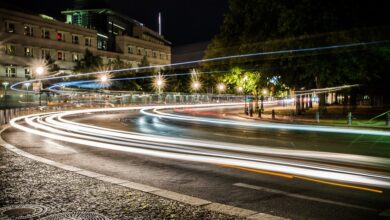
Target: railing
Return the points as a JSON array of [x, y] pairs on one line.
[[21, 105]]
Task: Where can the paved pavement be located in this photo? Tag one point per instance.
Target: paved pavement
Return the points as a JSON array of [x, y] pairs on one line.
[[291, 198], [27, 182]]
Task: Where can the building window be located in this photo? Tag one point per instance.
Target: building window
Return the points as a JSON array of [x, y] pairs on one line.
[[60, 36], [10, 27], [75, 57], [45, 34], [60, 55], [10, 50], [75, 39], [130, 50], [10, 71], [28, 52], [154, 54], [139, 51], [27, 73], [102, 44], [45, 53], [88, 41], [28, 30]]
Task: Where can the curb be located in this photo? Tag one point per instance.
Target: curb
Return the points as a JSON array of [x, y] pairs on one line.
[[189, 200]]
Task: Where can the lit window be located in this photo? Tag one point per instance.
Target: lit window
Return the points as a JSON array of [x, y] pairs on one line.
[[10, 27], [60, 36], [75, 57], [10, 50], [45, 34], [28, 52], [28, 30], [27, 73], [10, 71]]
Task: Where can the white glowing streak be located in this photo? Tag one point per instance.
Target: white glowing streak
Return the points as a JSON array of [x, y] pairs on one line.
[[212, 59], [310, 128], [199, 156], [210, 159]]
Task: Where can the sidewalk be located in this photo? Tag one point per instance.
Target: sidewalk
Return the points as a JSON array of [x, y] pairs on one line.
[[51, 192]]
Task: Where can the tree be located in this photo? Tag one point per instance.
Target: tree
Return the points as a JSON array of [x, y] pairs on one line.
[[89, 62], [260, 25]]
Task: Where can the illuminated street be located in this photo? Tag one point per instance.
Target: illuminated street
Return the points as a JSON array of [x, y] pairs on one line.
[[207, 165], [187, 110]]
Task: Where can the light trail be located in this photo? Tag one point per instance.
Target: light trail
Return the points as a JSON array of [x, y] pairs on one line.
[[301, 50], [155, 112], [54, 126]]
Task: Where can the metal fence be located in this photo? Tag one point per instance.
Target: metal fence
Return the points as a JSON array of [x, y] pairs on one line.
[[17, 105]]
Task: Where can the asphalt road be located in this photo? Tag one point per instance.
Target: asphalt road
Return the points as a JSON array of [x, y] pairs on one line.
[[286, 197]]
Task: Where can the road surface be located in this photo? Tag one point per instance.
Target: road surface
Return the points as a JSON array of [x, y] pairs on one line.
[[286, 194]]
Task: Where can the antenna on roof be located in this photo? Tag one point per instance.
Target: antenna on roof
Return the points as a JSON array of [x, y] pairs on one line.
[[159, 23]]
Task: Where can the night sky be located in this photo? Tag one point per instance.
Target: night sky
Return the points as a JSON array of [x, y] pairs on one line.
[[184, 21]]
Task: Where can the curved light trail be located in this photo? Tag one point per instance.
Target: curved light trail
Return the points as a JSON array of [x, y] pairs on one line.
[[57, 127], [155, 112], [300, 50]]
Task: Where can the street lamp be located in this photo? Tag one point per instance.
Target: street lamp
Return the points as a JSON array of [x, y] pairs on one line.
[[245, 108], [27, 84], [5, 84], [104, 79], [195, 87], [39, 71], [221, 88]]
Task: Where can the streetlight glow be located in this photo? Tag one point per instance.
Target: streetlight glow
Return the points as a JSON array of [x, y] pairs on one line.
[[5, 84], [221, 87], [104, 78], [39, 70], [196, 85]]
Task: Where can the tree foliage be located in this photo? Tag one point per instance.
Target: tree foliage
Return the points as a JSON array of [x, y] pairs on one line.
[[253, 26]]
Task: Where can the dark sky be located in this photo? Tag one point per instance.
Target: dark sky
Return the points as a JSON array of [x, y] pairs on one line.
[[184, 21]]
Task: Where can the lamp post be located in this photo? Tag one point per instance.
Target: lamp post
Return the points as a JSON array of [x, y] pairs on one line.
[[245, 108], [39, 71], [27, 84], [5, 84]]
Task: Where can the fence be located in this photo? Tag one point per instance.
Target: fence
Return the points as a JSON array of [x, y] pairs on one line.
[[15, 107]]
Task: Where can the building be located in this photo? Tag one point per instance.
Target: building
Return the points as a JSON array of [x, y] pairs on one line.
[[27, 39]]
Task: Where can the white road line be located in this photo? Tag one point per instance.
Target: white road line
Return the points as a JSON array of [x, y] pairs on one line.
[[259, 188]]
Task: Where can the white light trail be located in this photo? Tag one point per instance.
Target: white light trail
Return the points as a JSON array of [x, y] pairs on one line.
[[54, 126], [330, 47]]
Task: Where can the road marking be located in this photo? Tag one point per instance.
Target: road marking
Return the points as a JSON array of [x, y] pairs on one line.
[[259, 188], [301, 177], [339, 184], [258, 171]]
